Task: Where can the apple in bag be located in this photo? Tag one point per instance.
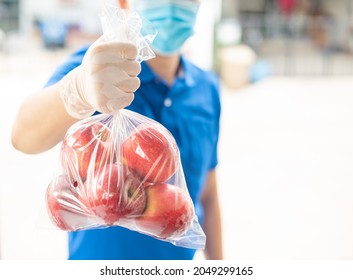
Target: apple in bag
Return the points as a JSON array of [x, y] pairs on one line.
[[134, 196], [169, 211], [101, 193], [63, 204], [86, 149], [112, 194], [151, 152]]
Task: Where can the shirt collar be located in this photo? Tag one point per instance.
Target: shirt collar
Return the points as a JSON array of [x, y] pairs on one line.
[[148, 75]]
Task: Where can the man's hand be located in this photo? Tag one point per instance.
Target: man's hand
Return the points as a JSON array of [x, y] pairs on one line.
[[105, 81]]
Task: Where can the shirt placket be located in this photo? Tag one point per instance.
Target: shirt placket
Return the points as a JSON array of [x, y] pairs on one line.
[[170, 101]]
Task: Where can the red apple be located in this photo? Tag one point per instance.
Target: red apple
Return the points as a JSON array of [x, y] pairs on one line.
[[151, 152], [63, 205], [85, 149], [169, 211], [102, 193], [134, 197], [114, 194]]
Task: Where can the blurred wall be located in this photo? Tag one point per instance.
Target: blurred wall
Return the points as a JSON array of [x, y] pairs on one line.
[[84, 15], [76, 13], [200, 47], [341, 12]]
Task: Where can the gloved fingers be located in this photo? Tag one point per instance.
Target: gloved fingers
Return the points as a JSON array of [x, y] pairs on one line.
[[114, 91], [108, 75], [110, 105], [124, 101], [111, 52], [130, 84], [132, 68], [127, 50]]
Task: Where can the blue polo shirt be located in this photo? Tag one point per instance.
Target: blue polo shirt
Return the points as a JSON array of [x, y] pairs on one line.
[[190, 109]]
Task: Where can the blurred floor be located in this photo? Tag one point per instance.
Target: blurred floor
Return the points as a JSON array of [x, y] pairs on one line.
[[285, 172], [286, 169]]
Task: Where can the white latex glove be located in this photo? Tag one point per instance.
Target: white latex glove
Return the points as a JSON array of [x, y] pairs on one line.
[[105, 81]]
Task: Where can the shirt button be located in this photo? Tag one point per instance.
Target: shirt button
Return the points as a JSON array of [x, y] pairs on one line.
[[167, 102]]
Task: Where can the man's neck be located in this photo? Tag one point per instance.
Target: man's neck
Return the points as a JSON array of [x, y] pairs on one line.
[[166, 67]]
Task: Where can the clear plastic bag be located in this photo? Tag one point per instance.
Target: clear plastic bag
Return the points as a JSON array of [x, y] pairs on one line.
[[123, 170]]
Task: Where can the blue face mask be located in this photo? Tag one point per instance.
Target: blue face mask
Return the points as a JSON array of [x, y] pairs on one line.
[[174, 21]]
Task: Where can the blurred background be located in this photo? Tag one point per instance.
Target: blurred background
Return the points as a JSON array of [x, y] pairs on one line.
[[286, 153]]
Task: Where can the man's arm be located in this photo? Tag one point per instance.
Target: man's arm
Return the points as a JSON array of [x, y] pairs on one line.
[[212, 219], [41, 122], [105, 82]]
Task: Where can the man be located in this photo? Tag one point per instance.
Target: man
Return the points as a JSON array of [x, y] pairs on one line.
[[105, 77]]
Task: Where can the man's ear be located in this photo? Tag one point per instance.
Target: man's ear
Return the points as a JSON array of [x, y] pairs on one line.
[[123, 4]]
